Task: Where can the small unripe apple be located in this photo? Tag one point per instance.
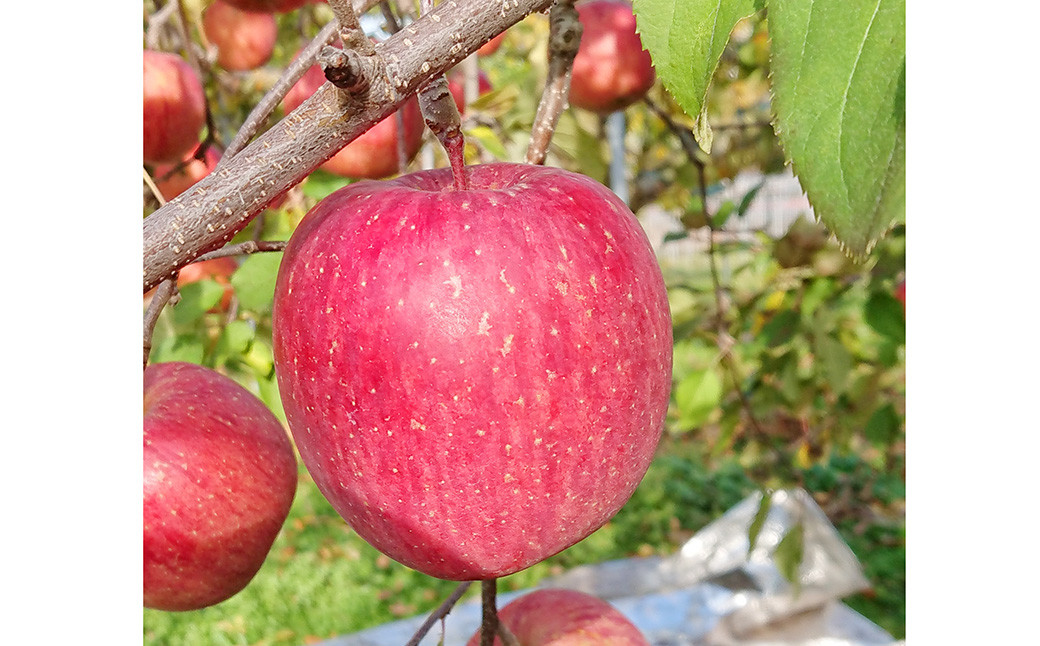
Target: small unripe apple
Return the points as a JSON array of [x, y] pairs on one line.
[[611, 70], [560, 617], [174, 107], [374, 154], [244, 39], [476, 379], [219, 479]]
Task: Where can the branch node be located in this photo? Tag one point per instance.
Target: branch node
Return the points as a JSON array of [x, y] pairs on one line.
[[344, 69]]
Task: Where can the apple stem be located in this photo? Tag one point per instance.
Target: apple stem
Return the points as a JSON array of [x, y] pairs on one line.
[[489, 616], [564, 37]]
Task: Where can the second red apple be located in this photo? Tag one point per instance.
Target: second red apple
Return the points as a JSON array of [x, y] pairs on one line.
[[612, 70]]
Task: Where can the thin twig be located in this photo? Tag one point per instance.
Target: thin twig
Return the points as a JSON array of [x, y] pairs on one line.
[[723, 339], [439, 613], [150, 183], [263, 110], [163, 294], [564, 38], [243, 248]]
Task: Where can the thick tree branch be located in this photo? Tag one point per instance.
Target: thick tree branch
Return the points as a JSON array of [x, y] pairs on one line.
[[224, 202]]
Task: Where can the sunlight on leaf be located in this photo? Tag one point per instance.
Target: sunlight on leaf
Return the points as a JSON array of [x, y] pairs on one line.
[[838, 84]]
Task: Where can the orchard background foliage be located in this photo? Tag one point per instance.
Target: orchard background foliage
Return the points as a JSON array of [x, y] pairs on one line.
[[789, 354]]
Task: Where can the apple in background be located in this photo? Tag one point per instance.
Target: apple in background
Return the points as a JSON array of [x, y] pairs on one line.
[[244, 39], [559, 617], [611, 70], [476, 379], [373, 155], [900, 294], [491, 46], [172, 183], [174, 107], [270, 6], [219, 479], [457, 86]]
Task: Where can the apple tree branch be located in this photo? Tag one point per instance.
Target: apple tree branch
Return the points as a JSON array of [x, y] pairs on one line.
[[225, 201]]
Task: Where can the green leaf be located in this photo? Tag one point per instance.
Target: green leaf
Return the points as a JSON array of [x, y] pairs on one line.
[[884, 313], [781, 328], [196, 299], [490, 140], [320, 184], [838, 84], [726, 209], [882, 428], [788, 555], [235, 338], [685, 39], [745, 202], [697, 396], [186, 347], [764, 505], [834, 361], [254, 280]]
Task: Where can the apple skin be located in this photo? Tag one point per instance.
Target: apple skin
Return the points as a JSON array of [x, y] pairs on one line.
[[244, 39], [373, 155], [560, 617], [476, 379], [457, 87], [174, 107], [219, 479], [611, 70]]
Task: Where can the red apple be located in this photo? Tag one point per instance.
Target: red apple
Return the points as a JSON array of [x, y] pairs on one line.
[[457, 86], [611, 70], [476, 379], [491, 46], [559, 617], [219, 478], [174, 107], [244, 39], [374, 154], [172, 181], [900, 293], [270, 6]]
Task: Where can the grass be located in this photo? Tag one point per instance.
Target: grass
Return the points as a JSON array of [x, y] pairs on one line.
[[321, 580]]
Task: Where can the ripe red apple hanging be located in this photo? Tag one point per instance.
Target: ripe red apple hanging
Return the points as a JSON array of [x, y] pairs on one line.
[[476, 379]]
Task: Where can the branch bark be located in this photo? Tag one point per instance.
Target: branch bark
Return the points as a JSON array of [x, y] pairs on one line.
[[225, 201]]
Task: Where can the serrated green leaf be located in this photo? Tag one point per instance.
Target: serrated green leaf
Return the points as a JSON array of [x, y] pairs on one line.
[[697, 396], [490, 140], [764, 505], [254, 280], [788, 555], [838, 84], [685, 39], [197, 298]]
